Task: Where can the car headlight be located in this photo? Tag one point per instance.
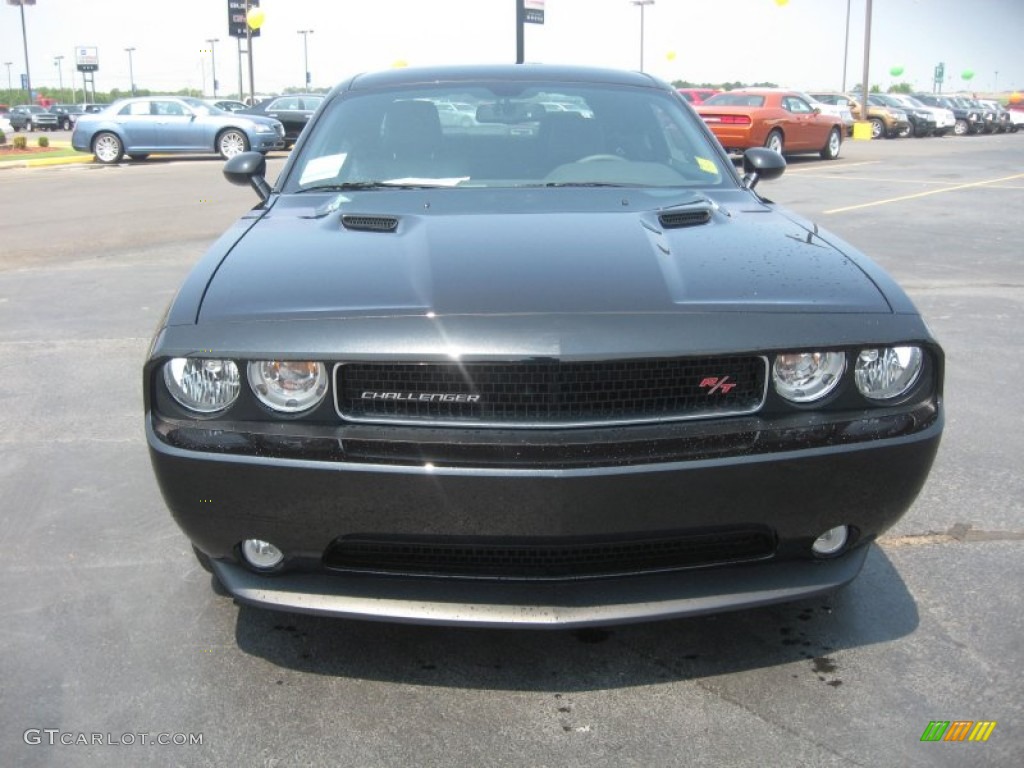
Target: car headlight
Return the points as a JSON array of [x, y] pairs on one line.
[[261, 128], [202, 385], [887, 372], [288, 386], [803, 377]]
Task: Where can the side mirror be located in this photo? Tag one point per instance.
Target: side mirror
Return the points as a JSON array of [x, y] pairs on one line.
[[248, 169], [761, 163]]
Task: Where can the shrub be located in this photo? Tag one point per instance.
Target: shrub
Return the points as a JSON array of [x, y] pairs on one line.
[[42, 141], [19, 142]]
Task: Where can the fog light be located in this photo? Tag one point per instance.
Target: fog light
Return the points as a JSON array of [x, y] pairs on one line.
[[831, 541], [261, 554]]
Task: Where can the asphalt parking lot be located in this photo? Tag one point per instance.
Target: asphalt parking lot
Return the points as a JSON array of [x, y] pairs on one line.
[[112, 628]]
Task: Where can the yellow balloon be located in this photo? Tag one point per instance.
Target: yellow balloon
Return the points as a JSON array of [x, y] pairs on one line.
[[255, 18], [781, 3], [399, 63], [671, 55]]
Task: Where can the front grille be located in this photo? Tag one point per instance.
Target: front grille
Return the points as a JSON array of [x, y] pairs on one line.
[[541, 558], [549, 393]]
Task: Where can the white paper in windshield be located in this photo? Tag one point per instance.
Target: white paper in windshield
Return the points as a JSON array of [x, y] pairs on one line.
[[320, 168]]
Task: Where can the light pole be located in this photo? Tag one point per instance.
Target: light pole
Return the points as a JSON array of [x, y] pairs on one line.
[[846, 45], [641, 3], [60, 74], [10, 91], [305, 53], [24, 42], [131, 69], [213, 61]]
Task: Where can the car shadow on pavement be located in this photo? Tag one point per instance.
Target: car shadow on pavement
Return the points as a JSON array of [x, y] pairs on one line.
[[875, 608]]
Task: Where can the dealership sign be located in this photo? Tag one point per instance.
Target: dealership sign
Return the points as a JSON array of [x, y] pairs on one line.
[[87, 59], [237, 10]]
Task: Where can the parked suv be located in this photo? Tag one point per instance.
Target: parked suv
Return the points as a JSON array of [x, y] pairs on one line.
[[945, 120], [968, 119], [922, 121], [886, 122], [28, 117]]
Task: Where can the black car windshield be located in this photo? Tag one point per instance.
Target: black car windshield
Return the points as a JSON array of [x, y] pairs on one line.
[[202, 108], [507, 135]]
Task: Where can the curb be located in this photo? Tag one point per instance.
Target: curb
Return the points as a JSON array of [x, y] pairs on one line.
[[29, 162], [44, 161]]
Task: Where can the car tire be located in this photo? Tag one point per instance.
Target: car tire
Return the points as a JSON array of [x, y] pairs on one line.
[[832, 146], [877, 128], [904, 133], [137, 157], [231, 142], [961, 128], [107, 148], [66, 124], [204, 562], [29, 127], [774, 141]]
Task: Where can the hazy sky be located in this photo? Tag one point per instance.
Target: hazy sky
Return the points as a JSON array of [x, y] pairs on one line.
[[798, 44]]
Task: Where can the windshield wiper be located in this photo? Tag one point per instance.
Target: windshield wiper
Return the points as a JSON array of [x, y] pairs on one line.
[[358, 185], [583, 184]]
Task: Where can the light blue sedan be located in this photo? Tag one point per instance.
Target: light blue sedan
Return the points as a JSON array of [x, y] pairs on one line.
[[141, 126]]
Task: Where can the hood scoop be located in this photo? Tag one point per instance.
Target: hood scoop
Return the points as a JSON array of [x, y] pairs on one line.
[[369, 223], [691, 217]]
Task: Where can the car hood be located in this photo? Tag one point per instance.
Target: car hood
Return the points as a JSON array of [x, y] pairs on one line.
[[530, 252]]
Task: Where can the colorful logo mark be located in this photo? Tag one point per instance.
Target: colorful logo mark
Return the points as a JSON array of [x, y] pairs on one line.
[[958, 730]]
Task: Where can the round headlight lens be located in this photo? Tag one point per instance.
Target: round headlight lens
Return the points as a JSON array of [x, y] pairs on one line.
[[201, 385], [803, 377], [882, 374], [288, 386]]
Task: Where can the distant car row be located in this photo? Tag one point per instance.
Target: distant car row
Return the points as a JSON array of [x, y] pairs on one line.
[[792, 122], [32, 117]]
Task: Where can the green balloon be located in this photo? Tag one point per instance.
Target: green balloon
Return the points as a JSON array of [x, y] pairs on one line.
[[896, 71], [967, 74]]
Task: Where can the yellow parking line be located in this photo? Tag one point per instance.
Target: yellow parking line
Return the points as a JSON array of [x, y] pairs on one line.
[[925, 194], [880, 179], [832, 169]]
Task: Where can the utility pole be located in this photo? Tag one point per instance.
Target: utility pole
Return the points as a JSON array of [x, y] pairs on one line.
[[305, 53], [24, 42], [846, 45], [867, 63], [60, 74], [642, 4], [213, 61], [131, 71]]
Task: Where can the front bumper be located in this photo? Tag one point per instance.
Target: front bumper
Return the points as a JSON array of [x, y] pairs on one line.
[[304, 506], [541, 605], [266, 142]]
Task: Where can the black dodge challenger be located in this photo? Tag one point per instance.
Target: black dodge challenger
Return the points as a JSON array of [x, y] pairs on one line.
[[560, 366]]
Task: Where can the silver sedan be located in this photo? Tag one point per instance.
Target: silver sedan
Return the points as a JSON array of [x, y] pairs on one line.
[[172, 124]]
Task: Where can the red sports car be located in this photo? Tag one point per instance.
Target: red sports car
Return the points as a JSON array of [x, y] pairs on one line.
[[697, 95], [780, 120]]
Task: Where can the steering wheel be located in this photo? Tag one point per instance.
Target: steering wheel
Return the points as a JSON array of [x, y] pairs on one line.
[[597, 158]]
